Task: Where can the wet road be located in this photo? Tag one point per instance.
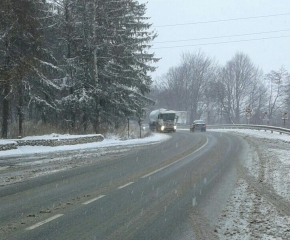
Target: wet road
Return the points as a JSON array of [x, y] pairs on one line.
[[171, 190]]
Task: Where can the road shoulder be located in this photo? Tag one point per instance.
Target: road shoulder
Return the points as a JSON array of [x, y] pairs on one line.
[[258, 207]]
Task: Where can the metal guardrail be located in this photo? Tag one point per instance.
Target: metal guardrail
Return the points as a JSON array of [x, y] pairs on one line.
[[248, 126]]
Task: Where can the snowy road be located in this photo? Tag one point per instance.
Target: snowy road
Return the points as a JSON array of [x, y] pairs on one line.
[[23, 163], [187, 187]]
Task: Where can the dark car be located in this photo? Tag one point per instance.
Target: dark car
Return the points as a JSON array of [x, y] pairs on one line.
[[198, 125]]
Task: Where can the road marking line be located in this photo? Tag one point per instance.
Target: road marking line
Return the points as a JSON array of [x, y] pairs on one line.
[[94, 199], [127, 184], [158, 170], [43, 222]]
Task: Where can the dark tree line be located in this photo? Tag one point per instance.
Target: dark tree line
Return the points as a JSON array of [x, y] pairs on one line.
[[73, 64], [222, 94]]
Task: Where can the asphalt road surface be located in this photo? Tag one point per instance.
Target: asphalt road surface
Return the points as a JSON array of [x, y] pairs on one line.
[[171, 190]]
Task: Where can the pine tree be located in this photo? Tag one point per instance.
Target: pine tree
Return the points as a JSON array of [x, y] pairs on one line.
[[6, 28], [28, 62], [83, 61], [124, 73]]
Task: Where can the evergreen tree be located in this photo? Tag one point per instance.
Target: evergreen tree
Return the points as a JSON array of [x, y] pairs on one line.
[[28, 63], [74, 62]]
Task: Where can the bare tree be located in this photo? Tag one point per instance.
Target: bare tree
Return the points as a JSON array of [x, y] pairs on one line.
[[222, 94], [184, 87], [258, 101], [238, 76], [276, 80], [199, 70]]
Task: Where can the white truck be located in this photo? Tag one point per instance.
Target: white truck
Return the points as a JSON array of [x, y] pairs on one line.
[[163, 120]]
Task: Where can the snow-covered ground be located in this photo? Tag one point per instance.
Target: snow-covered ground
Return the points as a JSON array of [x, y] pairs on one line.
[[259, 207], [27, 162], [57, 136], [249, 215], [256, 133], [5, 142], [113, 141]]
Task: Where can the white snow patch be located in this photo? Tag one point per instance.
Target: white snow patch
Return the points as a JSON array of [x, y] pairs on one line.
[[249, 216], [24, 150], [234, 218], [252, 162], [277, 170], [256, 133], [58, 136], [272, 158], [281, 154], [5, 142]]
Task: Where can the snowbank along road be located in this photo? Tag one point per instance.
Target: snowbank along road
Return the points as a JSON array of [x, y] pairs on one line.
[[193, 186]]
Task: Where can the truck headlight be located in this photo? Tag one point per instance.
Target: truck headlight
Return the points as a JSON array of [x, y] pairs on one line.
[[174, 127], [162, 128]]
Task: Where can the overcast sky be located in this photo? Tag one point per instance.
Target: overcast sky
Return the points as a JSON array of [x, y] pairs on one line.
[[268, 54]]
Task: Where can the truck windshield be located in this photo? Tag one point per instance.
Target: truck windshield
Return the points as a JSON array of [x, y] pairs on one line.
[[168, 116]]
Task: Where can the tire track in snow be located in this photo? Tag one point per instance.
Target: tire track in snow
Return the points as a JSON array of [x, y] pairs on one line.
[[282, 205]]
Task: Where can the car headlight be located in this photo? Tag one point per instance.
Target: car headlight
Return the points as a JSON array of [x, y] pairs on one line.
[[162, 128], [174, 127]]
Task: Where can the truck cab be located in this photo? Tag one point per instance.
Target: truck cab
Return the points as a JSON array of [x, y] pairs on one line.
[[167, 121]]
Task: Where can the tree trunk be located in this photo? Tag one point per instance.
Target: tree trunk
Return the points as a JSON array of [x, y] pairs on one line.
[[191, 115], [73, 121], [43, 117], [96, 71], [208, 118], [5, 104], [238, 113], [20, 111], [85, 123], [97, 119]]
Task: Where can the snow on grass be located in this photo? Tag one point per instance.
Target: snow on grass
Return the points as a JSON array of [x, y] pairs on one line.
[[58, 136], [277, 168], [234, 221], [256, 133], [113, 141], [249, 216], [269, 162], [283, 155], [270, 157], [5, 142], [252, 162]]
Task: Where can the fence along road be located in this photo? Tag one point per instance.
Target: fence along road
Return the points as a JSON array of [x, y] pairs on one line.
[[248, 126]]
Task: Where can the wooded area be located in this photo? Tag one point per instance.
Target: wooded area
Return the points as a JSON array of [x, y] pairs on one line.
[[222, 94], [84, 66], [73, 65]]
